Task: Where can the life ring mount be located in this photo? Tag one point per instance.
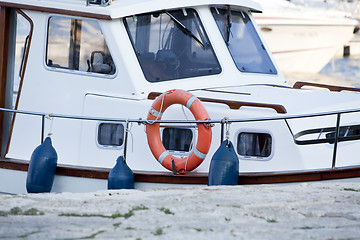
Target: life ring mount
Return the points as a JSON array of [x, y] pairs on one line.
[[197, 156]]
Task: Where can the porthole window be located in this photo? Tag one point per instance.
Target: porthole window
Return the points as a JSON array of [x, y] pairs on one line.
[[110, 134], [177, 139], [251, 144]]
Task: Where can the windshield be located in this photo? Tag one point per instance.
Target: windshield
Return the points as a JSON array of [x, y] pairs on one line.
[[171, 45], [243, 41]]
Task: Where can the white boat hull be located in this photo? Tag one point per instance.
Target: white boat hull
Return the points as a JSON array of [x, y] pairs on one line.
[[78, 180], [17, 185]]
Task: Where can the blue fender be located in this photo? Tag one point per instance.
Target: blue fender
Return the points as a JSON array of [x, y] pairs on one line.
[[121, 176], [224, 166], [42, 167]]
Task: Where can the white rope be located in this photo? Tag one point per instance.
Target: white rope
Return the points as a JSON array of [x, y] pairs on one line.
[[227, 130], [192, 140], [157, 117], [128, 130], [50, 117]]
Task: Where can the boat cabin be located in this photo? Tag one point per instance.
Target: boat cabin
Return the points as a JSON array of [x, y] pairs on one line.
[[86, 73], [88, 58]]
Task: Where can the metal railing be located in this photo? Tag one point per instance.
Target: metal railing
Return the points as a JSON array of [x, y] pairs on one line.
[[221, 122]]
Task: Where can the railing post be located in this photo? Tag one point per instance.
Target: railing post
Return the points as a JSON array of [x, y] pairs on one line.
[[222, 131], [126, 137], [337, 131], [42, 127]]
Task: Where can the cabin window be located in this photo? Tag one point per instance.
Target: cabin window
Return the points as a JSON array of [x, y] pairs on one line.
[[242, 40], [251, 144], [171, 45], [78, 45], [110, 134], [177, 139]]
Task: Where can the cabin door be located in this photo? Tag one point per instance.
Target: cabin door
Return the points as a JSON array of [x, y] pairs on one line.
[[15, 35], [6, 49]]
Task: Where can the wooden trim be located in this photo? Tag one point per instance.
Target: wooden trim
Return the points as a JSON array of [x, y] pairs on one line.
[[14, 164], [300, 176], [102, 173], [56, 10], [226, 92], [232, 104], [197, 178], [168, 177], [299, 85]]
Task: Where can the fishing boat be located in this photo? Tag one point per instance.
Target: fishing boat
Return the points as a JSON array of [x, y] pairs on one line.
[[305, 36], [159, 94]]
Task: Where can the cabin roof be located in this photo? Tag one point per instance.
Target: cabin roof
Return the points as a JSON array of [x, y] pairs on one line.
[[118, 8]]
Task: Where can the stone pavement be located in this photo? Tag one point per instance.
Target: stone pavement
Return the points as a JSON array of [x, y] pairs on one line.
[[314, 210]]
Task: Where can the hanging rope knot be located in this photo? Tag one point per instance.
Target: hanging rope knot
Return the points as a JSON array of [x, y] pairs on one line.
[[227, 130], [140, 122], [49, 116], [127, 129], [209, 124]]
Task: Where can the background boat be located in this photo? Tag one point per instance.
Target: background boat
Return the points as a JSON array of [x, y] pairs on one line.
[[304, 37]]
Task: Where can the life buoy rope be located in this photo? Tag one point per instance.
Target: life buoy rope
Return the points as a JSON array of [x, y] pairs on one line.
[[196, 157]]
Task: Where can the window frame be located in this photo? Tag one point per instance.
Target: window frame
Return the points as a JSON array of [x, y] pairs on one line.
[[254, 158], [203, 27], [72, 71], [109, 147], [192, 144], [257, 36]]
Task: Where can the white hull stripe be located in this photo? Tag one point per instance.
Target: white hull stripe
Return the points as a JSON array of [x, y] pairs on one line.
[[163, 156], [156, 113], [190, 101], [199, 154]]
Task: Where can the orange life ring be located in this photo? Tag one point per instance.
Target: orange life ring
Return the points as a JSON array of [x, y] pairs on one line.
[[182, 165]]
